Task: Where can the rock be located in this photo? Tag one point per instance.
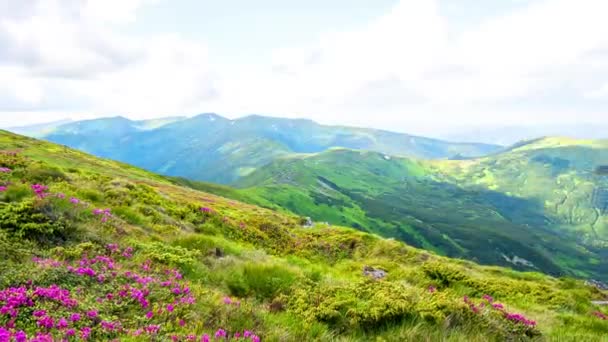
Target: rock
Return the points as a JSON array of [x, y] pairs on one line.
[[375, 273], [596, 283], [307, 222]]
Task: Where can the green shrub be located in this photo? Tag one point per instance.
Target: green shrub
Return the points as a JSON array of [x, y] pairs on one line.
[[129, 215], [15, 193], [167, 254], [368, 304], [443, 274], [208, 244], [261, 281], [90, 195], [36, 220], [14, 249], [236, 284], [45, 174]]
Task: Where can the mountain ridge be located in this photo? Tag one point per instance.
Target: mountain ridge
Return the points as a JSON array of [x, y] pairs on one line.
[[222, 150]]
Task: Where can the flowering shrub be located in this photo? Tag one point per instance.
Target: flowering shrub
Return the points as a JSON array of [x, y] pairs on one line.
[[115, 299], [104, 213], [40, 190], [517, 323], [600, 315]]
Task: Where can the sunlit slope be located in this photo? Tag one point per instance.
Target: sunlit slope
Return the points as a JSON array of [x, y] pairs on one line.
[[558, 174], [530, 207]]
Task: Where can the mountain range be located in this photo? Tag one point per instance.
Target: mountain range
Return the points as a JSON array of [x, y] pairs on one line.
[[211, 148], [536, 205]]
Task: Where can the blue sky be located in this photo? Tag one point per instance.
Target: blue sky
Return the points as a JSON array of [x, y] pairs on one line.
[[409, 65]]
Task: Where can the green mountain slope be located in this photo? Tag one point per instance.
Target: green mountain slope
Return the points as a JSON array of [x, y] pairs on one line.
[[538, 206], [121, 253], [557, 173], [212, 148]]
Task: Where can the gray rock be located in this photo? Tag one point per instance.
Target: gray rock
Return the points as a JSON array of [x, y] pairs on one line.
[[307, 222], [596, 283], [375, 273]]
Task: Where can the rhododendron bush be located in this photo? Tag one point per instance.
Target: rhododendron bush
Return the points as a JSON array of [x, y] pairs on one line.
[[111, 296]]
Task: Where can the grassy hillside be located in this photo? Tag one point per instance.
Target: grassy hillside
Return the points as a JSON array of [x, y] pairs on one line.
[[537, 206], [557, 173], [212, 148], [94, 249]]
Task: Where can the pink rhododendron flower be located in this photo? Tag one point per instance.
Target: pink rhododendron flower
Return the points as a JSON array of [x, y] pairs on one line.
[[220, 333]]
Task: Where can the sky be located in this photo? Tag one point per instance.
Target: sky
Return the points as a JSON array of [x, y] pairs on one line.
[[406, 65]]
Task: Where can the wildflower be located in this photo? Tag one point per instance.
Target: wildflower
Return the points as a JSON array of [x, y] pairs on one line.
[[182, 323], [170, 308], [255, 338], [39, 313], [488, 298], [70, 332], [5, 170], [152, 329], [205, 338], [62, 324], [432, 289], [112, 247], [20, 336], [85, 333], [517, 318], [146, 265], [74, 200], [227, 300], [40, 190], [46, 322], [498, 306], [3, 188], [221, 333], [104, 213], [600, 315], [206, 210], [149, 315], [128, 252], [75, 317], [92, 314], [237, 335], [60, 195], [5, 335], [247, 333]]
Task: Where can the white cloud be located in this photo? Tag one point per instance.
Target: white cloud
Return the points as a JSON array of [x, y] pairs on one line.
[[69, 55], [441, 74], [542, 61]]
